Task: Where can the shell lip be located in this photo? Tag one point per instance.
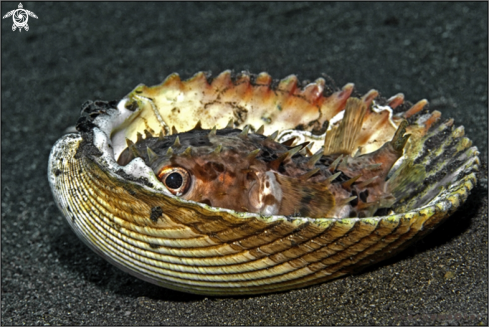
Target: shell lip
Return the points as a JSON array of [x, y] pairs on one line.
[[91, 110], [236, 77], [85, 125]]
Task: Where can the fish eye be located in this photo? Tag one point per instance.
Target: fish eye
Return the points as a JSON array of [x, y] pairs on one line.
[[176, 179]]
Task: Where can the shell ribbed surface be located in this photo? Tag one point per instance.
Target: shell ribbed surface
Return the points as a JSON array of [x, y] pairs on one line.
[[195, 248]]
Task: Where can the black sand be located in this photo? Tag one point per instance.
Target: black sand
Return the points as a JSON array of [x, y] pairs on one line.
[[79, 51]]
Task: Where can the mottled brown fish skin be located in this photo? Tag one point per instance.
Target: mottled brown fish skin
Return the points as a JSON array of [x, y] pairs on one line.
[[224, 171]]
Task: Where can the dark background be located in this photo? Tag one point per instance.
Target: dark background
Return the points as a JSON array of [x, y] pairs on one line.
[[79, 51]]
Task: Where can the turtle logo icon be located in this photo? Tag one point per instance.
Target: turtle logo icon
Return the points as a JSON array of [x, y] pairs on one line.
[[20, 16]]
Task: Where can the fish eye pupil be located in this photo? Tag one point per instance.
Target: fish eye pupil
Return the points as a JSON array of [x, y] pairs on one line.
[[174, 180]]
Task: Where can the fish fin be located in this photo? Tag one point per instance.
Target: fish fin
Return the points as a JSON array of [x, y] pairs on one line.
[[343, 138]]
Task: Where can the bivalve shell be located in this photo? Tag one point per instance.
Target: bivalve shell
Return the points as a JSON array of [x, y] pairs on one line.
[[129, 217]]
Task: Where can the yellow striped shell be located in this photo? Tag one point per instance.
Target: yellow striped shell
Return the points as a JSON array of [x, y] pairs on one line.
[[125, 214]]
